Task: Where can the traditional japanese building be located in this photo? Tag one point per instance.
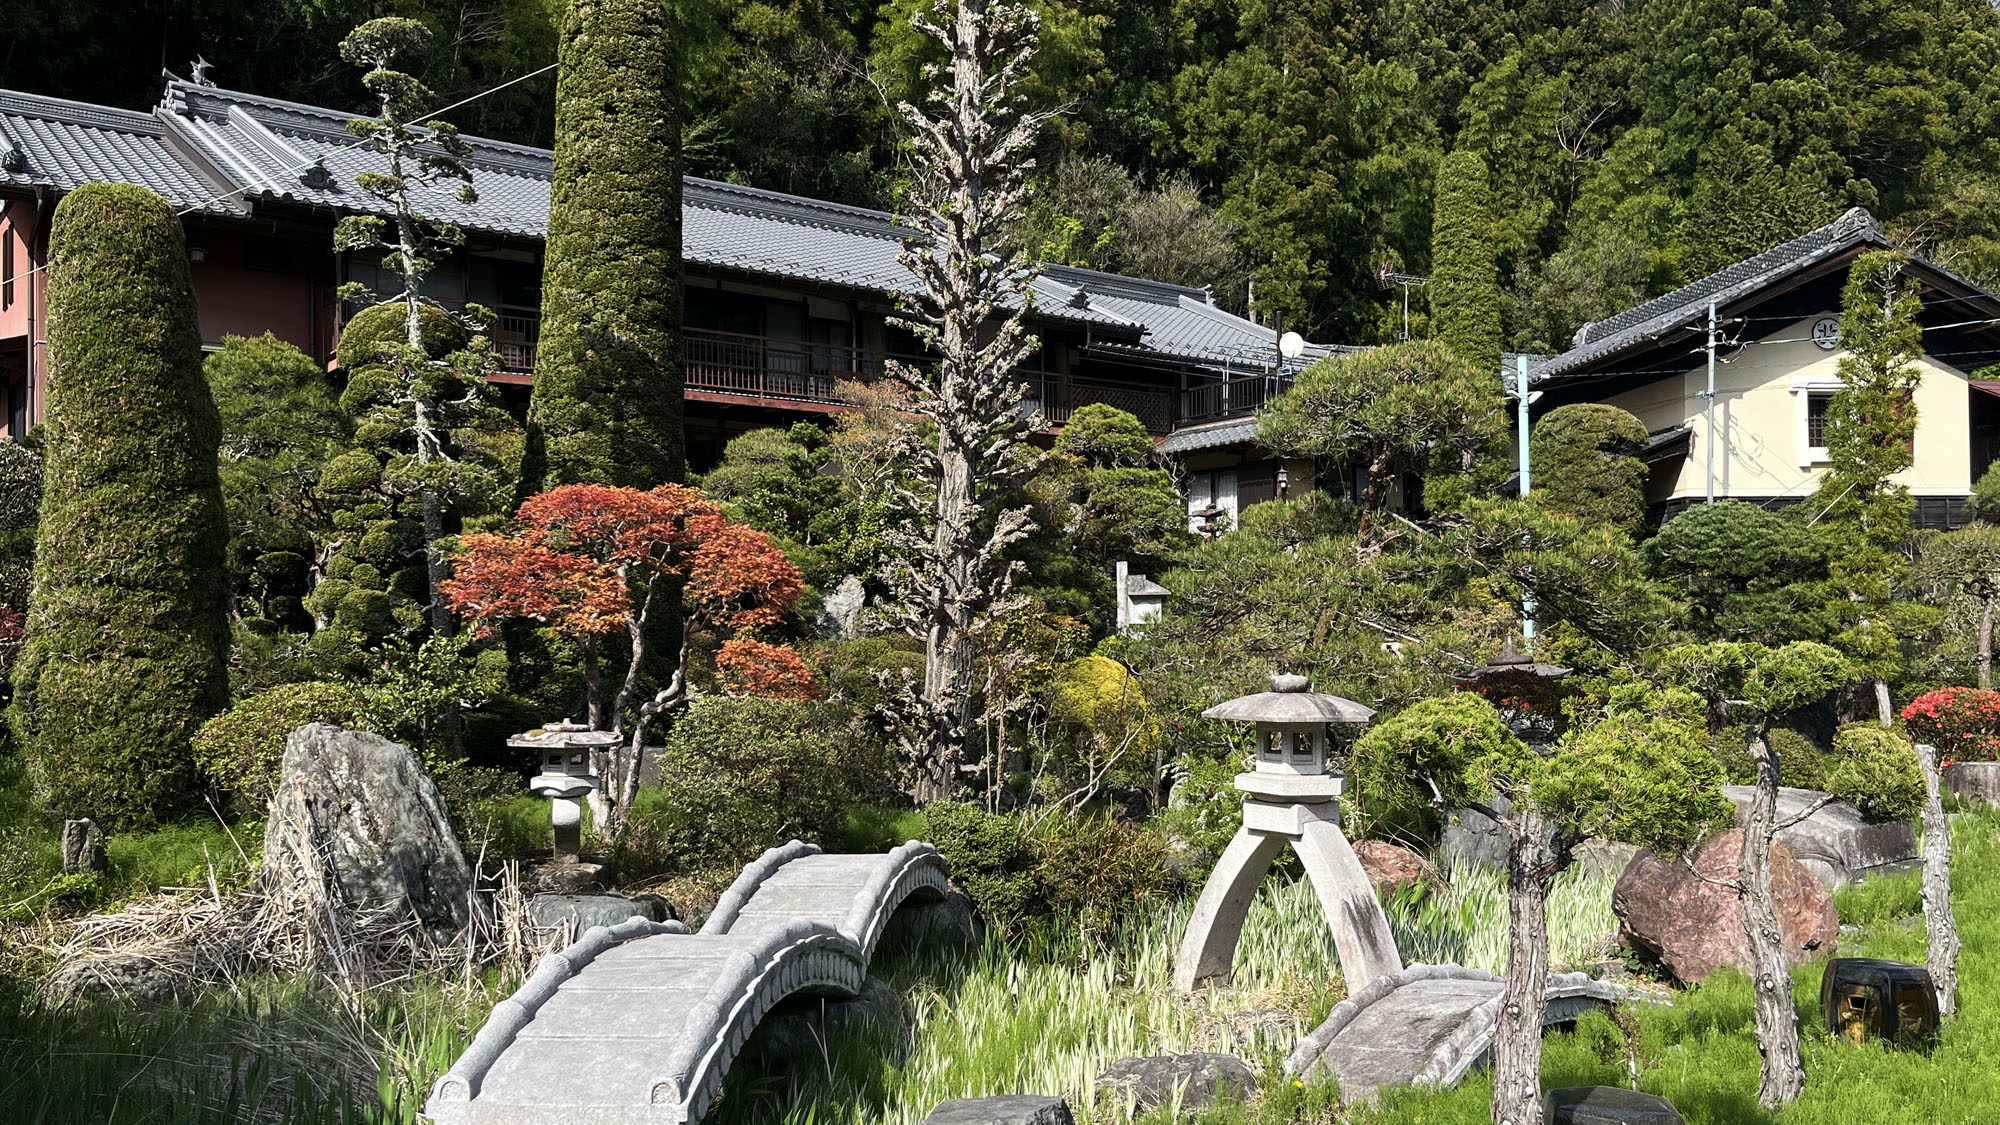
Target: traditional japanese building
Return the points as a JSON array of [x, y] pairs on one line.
[[1777, 359], [786, 296]]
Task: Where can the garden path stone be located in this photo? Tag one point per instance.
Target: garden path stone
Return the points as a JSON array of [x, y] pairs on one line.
[[1835, 843], [1200, 1079], [640, 1021], [1427, 1025], [1607, 1105], [1011, 1109], [552, 913]]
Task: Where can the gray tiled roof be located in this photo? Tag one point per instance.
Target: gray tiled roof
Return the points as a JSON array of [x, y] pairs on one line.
[[1671, 313], [201, 142], [1211, 435], [262, 142], [62, 145]]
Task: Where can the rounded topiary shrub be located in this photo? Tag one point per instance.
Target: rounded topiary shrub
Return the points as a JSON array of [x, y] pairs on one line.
[[1801, 764], [239, 751], [990, 861], [376, 331], [128, 631], [742, 774]]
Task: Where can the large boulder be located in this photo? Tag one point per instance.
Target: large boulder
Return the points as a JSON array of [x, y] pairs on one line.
[[358, 813], [1391, 868], [1835, 843], [1010, 1109], [1200, 1080], [1695, 927]]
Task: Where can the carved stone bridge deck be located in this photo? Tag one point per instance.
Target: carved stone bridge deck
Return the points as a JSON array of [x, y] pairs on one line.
[[1426, 1025], [639, 1022]]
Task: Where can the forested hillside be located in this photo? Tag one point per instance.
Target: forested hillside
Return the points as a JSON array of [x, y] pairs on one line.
[[1282, 151]]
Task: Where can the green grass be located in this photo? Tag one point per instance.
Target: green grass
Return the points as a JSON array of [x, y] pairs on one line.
[[1048, 1018], [279, 1051]]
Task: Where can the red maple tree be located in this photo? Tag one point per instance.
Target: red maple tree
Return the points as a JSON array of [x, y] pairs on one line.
[[591, 561]]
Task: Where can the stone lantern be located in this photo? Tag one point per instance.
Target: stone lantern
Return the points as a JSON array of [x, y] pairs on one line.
[[566, 777], [1290, 798]]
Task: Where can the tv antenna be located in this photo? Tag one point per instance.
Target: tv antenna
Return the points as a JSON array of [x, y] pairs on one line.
[[1386, 277]]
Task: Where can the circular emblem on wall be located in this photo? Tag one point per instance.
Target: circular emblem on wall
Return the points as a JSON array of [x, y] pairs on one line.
[[1826, 332]]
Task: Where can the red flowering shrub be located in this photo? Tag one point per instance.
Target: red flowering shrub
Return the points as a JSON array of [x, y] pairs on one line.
[[1962, 722]]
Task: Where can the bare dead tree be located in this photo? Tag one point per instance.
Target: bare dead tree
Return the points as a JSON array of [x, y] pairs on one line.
[[1941, 944], [971, 146]]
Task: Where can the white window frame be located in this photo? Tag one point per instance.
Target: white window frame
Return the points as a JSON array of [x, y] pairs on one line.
[[1803, 390]]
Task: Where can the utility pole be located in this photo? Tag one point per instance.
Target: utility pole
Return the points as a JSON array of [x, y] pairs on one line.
[[1521, 443], [1710, 440]]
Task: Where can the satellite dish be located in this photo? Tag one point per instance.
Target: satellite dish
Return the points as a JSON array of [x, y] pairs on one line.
[[1291, 345]]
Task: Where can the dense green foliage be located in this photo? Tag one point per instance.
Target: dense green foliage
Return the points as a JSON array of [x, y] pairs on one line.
[[1747, 573], [127, 630], [1465, 284], [281, 422], [1584, 464], [606, 407], [774, 480], [1124, 503], [739, 775], [239, 750], [1417, 409]]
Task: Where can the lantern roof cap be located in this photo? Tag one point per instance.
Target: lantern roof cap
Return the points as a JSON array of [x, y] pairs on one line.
[[1512, 659], [1290, 700], [566, 735]]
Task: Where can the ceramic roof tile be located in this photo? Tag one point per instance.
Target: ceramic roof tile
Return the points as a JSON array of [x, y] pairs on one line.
[[62, 145]]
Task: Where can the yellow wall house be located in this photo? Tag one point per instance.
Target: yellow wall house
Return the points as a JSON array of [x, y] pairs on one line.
[[1777, 359]]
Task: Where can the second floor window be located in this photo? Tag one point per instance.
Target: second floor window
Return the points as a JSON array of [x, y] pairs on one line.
[[1816, 406]]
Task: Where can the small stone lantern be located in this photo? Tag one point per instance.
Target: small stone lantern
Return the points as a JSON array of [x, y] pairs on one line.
[[1291, 798], [566, 777], [1864, 998]]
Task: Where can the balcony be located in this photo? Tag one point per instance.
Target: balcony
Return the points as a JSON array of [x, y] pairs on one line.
[[741, 366], [1230, 398]]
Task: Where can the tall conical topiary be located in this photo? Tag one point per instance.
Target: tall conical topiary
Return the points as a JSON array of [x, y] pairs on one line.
[[608, 379], [128, 632], [1465, 283]]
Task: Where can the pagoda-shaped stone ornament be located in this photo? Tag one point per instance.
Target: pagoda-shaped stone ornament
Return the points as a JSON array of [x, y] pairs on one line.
[[566, 778], [1290, 798]]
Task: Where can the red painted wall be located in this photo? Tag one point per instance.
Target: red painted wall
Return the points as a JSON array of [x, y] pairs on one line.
[[239, 299]]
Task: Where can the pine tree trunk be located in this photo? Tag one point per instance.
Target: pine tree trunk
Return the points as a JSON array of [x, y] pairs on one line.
[[1517, 1040], [1941, 943], [1885, 711], [1783, 1075]]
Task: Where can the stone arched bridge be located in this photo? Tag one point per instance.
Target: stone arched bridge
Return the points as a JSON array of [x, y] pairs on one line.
[[639, 1022]]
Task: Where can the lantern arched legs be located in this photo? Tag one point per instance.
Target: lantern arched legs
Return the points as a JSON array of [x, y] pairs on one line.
[[1209, 948], [1361, 934], [1360, 930]]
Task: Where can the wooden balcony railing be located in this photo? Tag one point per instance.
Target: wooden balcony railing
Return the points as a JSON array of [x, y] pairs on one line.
[[734, 363], [1230, 398]]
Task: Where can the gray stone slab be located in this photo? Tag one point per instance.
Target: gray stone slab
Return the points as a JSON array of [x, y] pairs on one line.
[[562, 1072], [1607, 1105], [612, 1013], [1012, 1109], [1835, 843], [688, 949]]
